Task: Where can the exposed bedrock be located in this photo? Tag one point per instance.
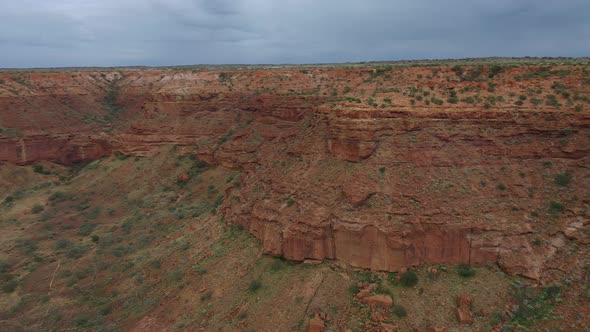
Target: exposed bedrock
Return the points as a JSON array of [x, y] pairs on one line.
[[382, 187]]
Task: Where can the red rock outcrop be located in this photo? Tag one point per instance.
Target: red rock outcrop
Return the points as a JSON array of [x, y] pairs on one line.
[[395, 181], [380, 300], [463, 310]]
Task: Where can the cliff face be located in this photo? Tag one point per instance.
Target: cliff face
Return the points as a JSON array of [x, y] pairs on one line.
[[381, 168]]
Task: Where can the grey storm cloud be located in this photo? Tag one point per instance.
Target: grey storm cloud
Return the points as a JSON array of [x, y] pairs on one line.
[[41, 33]]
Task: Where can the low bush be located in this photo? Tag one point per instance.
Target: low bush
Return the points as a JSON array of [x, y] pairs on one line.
[[4, 267], [563, 178], [556, 207], [408, 279], [59, 196], [399, 311], [62, 244], [39, 169], [10, 286], [27, 247], [76, 251], [465, 270], [37, 208], [254, 286]]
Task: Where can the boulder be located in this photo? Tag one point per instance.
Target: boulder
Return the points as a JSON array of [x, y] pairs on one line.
[[366, 289], [463, 311], [316, 324], [384, 301]]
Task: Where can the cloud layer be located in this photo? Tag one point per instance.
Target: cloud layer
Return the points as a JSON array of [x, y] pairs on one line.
[[39, 33]]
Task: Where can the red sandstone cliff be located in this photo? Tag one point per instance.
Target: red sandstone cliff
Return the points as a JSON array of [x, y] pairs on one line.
[[393, 181]]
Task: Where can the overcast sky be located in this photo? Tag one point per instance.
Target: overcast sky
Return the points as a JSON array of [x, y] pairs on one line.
[[46, 33]]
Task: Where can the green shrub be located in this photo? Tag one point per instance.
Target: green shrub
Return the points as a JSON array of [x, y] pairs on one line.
[[37, 208], [552, 101], [495, 70], [39, 169], [501, 186], [45, 216], [491, 87], [62, 244], [4, 267], [92, 213], [86, 228], [207, 296], [465, 270], [177, 275], [556, 207], [82, 322], [83, 205], [26, 246], [254, 286], [120, 156], [522, 97], [184, 245], [10, 286], [399, 311], [156, 263], [408, 279], [76, 251], [563, 178], [58, 196], [277, 264], [105, 310], [290, 201], [354, 289], [468, 100], [436, 101], [199, 269]]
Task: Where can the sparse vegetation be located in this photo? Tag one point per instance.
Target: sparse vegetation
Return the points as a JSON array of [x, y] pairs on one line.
[[121, 238], [290, 201], [533, 304]]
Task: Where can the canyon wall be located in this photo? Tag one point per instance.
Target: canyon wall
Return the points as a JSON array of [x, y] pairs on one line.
[[382, 168]]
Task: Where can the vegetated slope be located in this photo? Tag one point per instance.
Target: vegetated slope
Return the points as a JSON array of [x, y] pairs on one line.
[[383, 168], [138, 244]]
